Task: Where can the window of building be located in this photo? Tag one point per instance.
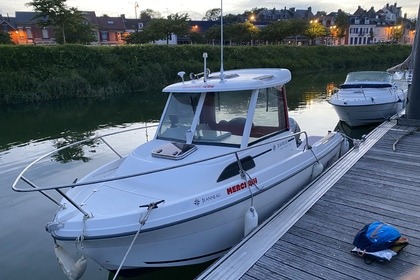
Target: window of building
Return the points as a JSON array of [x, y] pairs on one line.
[[45, 33], [29, 32], [104, 35]]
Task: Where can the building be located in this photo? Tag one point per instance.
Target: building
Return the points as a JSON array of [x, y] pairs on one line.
[[269, 15], [375, 27], [111, 30], [31, 33], [364, 27]]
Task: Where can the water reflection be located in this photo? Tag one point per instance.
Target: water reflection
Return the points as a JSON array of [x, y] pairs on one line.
[[40, 122], [73, 153]]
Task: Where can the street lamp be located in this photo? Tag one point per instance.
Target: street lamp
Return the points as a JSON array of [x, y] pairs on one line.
[[136, 5]]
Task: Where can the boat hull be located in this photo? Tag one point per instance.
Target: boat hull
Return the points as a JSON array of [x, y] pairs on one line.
[[198, 239], [367, 114]]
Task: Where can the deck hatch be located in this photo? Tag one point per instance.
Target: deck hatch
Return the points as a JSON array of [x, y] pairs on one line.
[[174, 150]]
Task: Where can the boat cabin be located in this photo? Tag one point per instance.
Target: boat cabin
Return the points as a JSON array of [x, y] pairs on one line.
[[236, 118], [368, 79]]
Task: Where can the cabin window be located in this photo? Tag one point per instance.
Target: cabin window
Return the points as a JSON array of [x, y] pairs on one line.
[[223, 117], [270, 113]]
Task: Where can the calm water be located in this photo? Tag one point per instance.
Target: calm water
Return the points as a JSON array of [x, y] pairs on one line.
[[30, 131]]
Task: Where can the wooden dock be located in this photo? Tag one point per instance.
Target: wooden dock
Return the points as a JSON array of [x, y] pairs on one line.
[[311, 237]]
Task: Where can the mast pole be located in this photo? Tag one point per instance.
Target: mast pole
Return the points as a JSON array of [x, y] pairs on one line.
[[222, 75]]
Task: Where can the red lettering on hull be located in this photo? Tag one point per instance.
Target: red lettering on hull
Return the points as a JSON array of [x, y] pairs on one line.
[[239, 187]]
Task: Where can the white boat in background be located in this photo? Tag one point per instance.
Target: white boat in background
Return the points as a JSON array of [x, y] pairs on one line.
[[368, 97], [225, 156]]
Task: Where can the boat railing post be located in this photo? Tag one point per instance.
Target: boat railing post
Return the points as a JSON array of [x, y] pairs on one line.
[[78, 207], [87, 215], [42, 192], [109, 146], [306, 138]]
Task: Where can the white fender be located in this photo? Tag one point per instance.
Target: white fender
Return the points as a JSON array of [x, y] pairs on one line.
[[251, 220], [345, 146], [317, 169], [73, 270]]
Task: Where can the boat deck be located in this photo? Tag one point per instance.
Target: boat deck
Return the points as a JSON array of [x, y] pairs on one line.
[[311, 237]]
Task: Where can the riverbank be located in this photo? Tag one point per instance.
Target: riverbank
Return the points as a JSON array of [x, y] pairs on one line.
[[43, 73]]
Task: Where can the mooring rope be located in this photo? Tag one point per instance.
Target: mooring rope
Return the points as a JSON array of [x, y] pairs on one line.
[[243, 174], [379, 111], [150, 207], [394, 146]]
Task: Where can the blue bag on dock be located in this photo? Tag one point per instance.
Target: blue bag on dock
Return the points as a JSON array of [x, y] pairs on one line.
[[376, 236]]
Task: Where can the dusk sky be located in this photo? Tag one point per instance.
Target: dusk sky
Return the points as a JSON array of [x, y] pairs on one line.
[[197, 9]]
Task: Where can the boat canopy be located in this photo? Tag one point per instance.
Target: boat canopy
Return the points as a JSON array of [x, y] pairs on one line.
[[234, 80]]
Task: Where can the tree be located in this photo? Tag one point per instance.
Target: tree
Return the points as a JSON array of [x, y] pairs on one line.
[[196, 37], [241, 32], [142, 37], [315, 30], [342, 22], [148, 14], [275, 32], [213, 34], [64, 20], [77, 30], [157, 29], [213, 14], [178, 24], [296, 27], [5, 38], [231, 18], [162, 29]]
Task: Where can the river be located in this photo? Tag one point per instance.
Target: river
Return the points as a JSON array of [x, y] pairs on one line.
[[27, 132]]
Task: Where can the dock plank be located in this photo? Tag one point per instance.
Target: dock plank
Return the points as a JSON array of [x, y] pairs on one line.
[[381, 183]]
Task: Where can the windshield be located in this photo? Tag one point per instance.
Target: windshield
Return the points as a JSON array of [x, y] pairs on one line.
[[369, 76], [178, 116], [224, 118], [222, 115]]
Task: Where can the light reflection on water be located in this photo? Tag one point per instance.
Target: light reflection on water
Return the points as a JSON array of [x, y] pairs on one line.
[[25, 134]]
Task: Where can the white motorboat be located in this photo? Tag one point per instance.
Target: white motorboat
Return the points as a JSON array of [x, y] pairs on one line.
[[225, 156], [368, 97]]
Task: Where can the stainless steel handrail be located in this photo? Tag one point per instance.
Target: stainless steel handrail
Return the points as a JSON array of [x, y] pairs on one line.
[[59, 187]]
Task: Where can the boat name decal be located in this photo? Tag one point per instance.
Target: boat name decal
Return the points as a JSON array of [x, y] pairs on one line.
[[279, 146], [241, 186], [206, 199]]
